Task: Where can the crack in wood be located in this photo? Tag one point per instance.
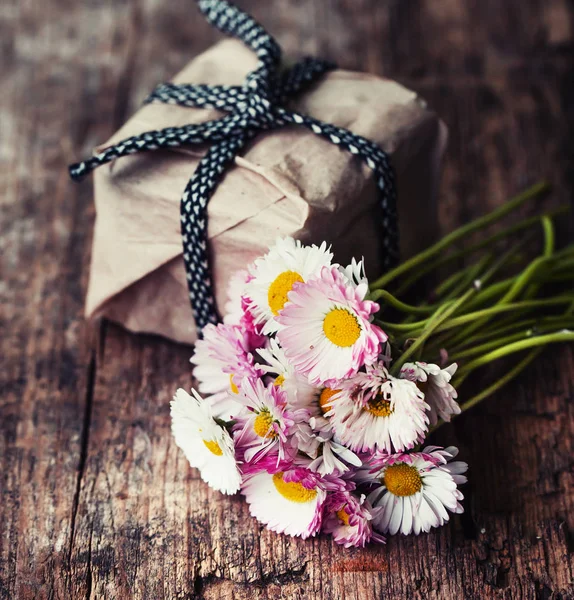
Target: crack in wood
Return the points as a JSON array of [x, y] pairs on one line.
[[84, 443]]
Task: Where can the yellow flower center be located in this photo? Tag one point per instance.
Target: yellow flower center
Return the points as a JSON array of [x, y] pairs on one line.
[[343, 516], [379, 407], [232, 385], [278, 290], [292, 490], [341, 327], [326, 395], [279, 380], [402, 480], [213, 447], [263, 424]]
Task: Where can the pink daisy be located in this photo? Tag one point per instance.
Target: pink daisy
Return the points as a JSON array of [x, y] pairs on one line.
[[237, 311], [374, 411], [269, 422], [222, 360], [348, 519], [325, 328]]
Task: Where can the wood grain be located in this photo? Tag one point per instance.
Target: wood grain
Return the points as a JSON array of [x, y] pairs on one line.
[[97, 502]]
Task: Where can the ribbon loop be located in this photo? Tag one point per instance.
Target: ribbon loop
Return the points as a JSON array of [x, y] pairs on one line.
[[252, 108]]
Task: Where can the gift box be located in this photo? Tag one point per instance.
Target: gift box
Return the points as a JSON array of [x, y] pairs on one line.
[[287, 182]]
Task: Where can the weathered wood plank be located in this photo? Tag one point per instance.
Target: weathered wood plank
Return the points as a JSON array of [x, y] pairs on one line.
[[47, 348], [97, 501]]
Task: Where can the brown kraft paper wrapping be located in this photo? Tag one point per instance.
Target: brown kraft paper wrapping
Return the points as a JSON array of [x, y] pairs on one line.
[[288, 182]]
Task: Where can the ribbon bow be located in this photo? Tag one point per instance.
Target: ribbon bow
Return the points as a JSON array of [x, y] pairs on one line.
[[255, 106]]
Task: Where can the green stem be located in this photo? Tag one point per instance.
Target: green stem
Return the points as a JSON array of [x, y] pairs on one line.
[[525, 278], [521, 282], [391, 300], [496, 289], [561, 272], [461, 233], [417, 328], [449, 283], [549, 239], [492, 345], [535, 330], [497, 332], [525, 305], [531, 285], [485, 243], [477, 284], [541, 325], [542, 340], [433, 323]]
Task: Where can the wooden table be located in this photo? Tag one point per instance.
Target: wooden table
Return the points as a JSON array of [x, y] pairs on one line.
[[97, 501]]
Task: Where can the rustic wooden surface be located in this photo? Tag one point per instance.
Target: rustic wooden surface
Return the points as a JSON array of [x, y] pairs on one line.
[[97, 501]]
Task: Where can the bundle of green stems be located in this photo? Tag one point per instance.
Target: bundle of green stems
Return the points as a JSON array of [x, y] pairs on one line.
[[503, 303]]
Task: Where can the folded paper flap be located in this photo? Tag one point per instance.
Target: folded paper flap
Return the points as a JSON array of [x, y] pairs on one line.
[[138, 219]]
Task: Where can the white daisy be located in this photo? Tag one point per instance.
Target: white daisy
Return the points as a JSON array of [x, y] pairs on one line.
[[415, 491], [206, 445], [332, 457], [374, 411], [273, 276], [435, 384], [288, 501]]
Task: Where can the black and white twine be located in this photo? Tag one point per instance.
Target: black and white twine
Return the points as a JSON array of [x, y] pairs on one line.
[[255, 106]]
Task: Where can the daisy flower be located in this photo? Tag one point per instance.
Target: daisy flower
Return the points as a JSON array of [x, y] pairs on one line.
[[300, 393], [434, 382], [349, 520], [355, 273], [374, 411], [287, 500], [332, 457], [206, 445], [269, 423], [222, 359], [326, 331], [415, 490], [273, 276], [327, 456], [314, 435]]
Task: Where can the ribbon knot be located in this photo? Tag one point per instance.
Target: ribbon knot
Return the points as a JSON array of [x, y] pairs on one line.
[[256, 106], [257, 110]]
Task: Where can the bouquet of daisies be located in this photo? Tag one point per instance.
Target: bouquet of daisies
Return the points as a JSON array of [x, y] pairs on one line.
[[315, 404]]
